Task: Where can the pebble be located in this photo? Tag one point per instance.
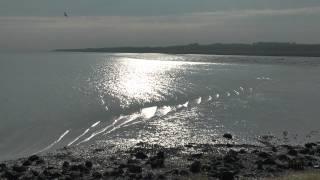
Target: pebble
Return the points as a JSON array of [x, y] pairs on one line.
[[227, 136]]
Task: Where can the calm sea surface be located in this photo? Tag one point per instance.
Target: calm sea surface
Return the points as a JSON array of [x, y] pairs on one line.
[[51, 100]]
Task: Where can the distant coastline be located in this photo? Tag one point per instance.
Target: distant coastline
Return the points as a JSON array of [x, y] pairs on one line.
[[254, 49]]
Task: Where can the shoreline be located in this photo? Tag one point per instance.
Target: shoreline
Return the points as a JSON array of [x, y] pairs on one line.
[[153, 161]]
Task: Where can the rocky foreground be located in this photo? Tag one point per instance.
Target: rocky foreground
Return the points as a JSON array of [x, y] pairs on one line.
[[151, 161]]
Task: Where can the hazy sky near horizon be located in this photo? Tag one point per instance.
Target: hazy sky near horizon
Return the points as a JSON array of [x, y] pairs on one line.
[[39, 24]]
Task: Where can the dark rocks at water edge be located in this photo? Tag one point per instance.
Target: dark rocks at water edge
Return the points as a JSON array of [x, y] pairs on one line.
[[152, 161]]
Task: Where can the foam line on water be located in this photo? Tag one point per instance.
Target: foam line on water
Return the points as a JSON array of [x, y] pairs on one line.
[[164, 110], [149, 112], [95, 134], [55, 142], [95, 124], [77, 138], [198, 100]]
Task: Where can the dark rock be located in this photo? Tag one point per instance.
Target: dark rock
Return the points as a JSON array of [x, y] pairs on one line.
[[33, 158], [52, 173], [274, 149], [35, 173], [96, 175], [264, 154], [292, 152], [140, 155], [88, 164], [271, 169], [305, 151], [195, 167], [40, 161], [19, 168], [281, 164], [174, 172], [161, 177], [206, 168], [226, 175], [75, 174], [229, 158], [197, 156], [134, 169], [310, 145], [11, 175], [157, 163], [227, 136], [296, 164], [259, 165], [269, 161], [184, 173], [80, 168], [148, 176], [188, 145], [283, 157], [160, 155], [3, 167], [133, 161], [112, 172], [65, 165], [27, 163]]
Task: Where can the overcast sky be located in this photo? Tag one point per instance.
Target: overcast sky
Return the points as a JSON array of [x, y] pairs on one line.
[[39, 24]]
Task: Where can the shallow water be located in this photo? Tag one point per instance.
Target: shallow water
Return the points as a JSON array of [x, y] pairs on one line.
[[51, 100]]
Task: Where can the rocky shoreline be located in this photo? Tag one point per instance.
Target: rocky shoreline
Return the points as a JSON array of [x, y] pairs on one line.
[[152, 161]]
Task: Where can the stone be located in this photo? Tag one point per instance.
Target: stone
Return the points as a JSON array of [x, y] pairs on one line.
[[39, 161], [52, 173], [160, 154], [157, 163], [242, 151], [269, 161], [112, 172], [33, 158], [274, 149], [184, 173], [148, 176], [310, 145], [96, 175], [259, 165], [19, 168], [197, 156], [292, 152], [3, 167], [11, 175], [134, 169], [230, 158], [88, 164], [226, 175], [227, 136], [141, 155], [264, 154], [27, 163], [283, 157], [65, 165], [195, 167]]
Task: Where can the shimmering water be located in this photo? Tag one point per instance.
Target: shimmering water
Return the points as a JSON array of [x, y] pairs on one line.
[[51, 100]]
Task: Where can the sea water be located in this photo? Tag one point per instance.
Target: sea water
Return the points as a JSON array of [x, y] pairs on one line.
[[49, 100]]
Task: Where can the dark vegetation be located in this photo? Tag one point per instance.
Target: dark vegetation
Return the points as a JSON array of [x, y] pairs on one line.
[[258, 49]]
